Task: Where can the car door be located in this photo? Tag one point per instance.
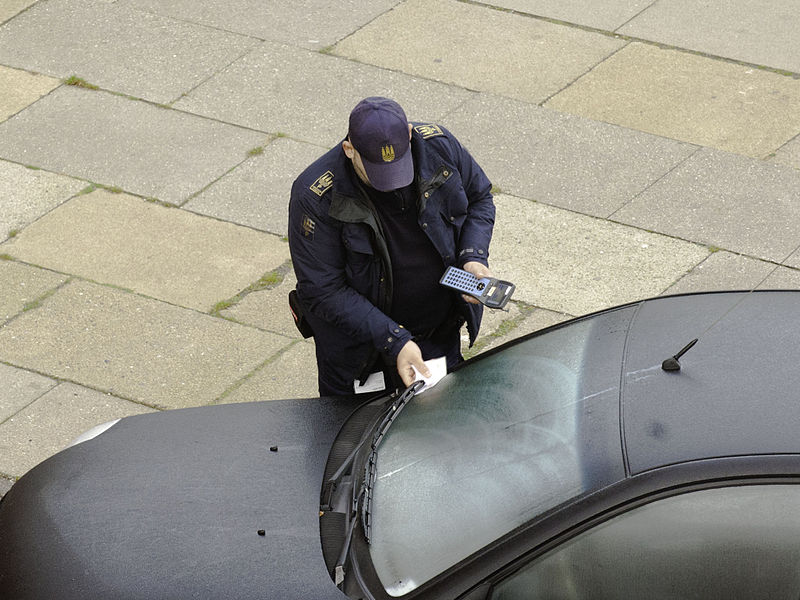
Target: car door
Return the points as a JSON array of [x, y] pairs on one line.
[[739, 541]]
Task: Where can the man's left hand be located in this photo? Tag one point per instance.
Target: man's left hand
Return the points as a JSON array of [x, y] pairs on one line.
[[480, 271]]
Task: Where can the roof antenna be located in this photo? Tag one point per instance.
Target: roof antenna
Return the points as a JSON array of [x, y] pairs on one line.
[[672, 363]]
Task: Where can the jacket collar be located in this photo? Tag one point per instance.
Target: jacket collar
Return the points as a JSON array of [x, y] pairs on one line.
[[349, 201]]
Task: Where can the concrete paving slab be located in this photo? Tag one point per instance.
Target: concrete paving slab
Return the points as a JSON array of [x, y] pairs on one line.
[[308, 95], [19, 389], [21, 88], [464, 45], [783, 279], [789, 154], [291, 23], [166, 253], [493, 323], [268, 309], [117, 48], [732, 202], [794, 259], [533, 321], [256, 193], [727, 271], [574, 264], [762, 32], [607, 15], [293, 374], [563, 160], [30, 193], [690, 98], [5, 485], [115, 141], [496, 321], [22, 286], [500, 326], [53, 421], [134, 347], [10, 8]]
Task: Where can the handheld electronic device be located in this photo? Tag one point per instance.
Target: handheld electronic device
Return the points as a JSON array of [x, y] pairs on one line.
[[491, 292]]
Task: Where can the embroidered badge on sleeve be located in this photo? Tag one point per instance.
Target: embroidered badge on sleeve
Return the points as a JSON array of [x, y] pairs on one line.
[[308, 227]]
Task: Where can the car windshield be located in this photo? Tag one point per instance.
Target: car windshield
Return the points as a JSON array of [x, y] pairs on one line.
[[495, 444]]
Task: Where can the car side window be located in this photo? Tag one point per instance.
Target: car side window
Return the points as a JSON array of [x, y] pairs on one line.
[[733, 542]]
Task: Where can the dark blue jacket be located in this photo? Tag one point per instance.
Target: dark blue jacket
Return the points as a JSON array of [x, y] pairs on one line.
[[340, 257]]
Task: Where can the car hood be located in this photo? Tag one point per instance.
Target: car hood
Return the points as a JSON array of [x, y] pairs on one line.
[[216, 502]]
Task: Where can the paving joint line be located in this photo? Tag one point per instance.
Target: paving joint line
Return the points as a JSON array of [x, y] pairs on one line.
[[608, 220], [37, 302], [630, 38], [779, 148], [61, 380], [214, 74], [680, 163], [251, 154], [56, 383], [248, 376], [638, 14], [268, 281], [581, 76]]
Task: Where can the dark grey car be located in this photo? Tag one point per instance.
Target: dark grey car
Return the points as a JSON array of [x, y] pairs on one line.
[[566, 464]]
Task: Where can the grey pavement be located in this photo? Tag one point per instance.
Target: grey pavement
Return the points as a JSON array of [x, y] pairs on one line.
[[147, 149]]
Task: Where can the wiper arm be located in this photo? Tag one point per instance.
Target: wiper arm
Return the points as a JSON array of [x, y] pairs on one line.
[[338, 572], [371, 467], [363, 495], [348, 460]]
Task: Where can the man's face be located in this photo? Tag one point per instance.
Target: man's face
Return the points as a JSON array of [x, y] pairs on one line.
[[351, 153]]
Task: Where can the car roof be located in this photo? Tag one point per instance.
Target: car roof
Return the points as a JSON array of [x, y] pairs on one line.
[[736, 393]]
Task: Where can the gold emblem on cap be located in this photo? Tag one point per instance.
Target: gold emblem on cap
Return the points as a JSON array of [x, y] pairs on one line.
[[387, 153]]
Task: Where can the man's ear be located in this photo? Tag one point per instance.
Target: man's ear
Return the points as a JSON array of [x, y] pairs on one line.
[[410, 127], [348, 149]]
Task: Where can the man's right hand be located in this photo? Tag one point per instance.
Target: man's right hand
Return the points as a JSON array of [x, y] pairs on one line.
[[411, 356], [480, 271]]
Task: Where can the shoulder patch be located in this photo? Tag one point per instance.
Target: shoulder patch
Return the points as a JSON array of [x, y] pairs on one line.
[[428, 130], [323, 183]]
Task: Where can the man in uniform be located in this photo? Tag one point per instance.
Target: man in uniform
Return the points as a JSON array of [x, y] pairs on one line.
[[373, 224]]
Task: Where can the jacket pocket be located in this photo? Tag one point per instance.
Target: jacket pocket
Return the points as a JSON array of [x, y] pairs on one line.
[[454, 206], [362, 264]]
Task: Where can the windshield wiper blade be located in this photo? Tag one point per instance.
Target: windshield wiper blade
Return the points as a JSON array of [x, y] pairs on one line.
[[363, 495], [371, 468]]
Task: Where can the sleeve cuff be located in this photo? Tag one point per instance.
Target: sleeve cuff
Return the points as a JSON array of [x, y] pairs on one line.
[[480, 255], [396, 336]]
